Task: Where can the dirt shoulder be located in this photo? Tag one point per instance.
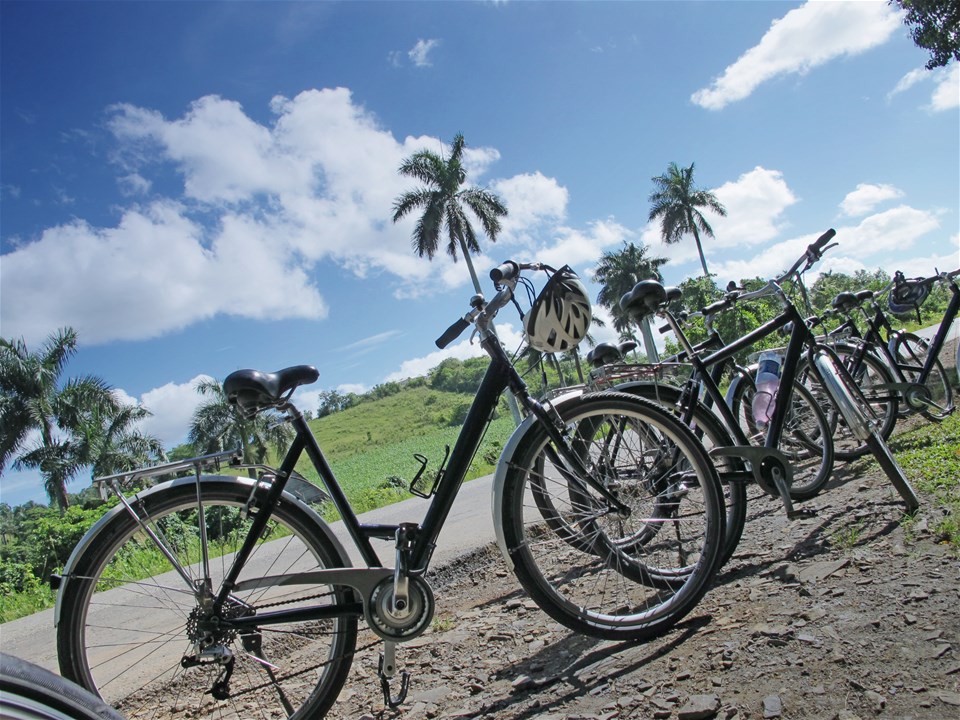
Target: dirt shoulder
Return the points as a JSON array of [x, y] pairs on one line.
[[836, 616]]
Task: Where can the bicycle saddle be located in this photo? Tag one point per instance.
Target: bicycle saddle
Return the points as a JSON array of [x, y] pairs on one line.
[[645, 298], [252, 390], [845, 302], [606, 353], [864, 295]]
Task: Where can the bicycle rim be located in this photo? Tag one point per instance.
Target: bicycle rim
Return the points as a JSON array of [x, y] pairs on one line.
[[630, 577], [129, 619]]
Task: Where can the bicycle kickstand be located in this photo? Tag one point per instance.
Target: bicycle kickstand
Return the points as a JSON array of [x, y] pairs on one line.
[[386, 671]]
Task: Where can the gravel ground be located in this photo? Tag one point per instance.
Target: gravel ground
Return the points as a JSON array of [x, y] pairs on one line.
[[838, 616]]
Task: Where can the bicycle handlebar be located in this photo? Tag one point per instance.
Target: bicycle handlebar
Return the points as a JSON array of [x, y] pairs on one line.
[[504, 277], [452, 333]]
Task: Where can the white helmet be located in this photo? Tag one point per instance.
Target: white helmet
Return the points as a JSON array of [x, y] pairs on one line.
[[561, 314]]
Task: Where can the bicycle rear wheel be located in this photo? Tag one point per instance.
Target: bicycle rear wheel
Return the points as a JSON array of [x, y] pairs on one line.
[[131, 623], [935, 401], [629, 577]]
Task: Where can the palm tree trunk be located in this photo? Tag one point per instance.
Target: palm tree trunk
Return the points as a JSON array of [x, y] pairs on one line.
[[703, 260], [473, 273]]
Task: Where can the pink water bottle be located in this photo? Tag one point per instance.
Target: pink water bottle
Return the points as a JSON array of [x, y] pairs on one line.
[[768, 380]]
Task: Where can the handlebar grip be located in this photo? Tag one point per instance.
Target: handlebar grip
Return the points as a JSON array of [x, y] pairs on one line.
[[823, 240], [452, 333], [504, 271]]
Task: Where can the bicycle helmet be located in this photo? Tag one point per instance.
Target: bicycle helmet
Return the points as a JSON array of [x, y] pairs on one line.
[[560, 316], [907, 296]]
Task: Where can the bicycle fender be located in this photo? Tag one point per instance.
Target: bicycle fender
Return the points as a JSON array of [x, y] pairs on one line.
[[735, 384], [248, 483], [500, 474]]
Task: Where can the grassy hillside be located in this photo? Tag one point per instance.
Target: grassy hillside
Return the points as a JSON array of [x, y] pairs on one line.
[[370, 446]]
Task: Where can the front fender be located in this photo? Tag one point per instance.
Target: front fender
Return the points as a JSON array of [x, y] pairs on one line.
[[245, 482], [500, 474]]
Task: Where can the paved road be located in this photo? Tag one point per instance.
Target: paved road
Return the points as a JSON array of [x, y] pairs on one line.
[[469, 526]]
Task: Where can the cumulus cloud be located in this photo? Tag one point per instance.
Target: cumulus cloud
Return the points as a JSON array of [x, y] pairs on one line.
[[866, 197], [946, 96], [260, 203], [804, 38], [946, 91], [755, 203], [420, 52], [172, 406]]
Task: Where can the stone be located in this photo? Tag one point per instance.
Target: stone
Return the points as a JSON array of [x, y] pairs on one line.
[[772, 707], [699, 707]]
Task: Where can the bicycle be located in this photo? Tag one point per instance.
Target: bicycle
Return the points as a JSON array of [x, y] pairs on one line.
[[918, 379], [241, 626], [769, 467]]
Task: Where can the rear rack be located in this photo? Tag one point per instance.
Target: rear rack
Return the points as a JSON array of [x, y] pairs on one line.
[[609, 376]]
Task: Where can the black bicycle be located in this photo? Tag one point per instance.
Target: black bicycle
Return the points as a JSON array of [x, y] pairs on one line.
[[228, 596], [792, 433]]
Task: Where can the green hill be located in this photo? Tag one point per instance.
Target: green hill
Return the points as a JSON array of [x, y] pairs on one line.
[[371, 445]]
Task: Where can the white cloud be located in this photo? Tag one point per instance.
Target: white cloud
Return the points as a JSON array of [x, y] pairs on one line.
[[755, 202], [149, 275], [908, 81], [866, 197], [264, 201], [804, 38], [892, 230], [946, 92], [172, 406], [532, 199], [419, 53], [946, 96]]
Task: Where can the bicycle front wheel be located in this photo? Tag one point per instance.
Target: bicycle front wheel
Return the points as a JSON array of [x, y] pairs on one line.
[[135, 625], [628, 577], [806, 440], [935, 399]]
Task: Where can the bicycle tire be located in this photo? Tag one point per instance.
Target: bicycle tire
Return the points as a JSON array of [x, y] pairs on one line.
[[711, 432], [871, 376], [807, 440], [911, 352], [137, 666], [30, 692], [630, 590]]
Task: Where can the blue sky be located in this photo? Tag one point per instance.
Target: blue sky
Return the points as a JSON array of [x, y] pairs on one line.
[[198, 187]]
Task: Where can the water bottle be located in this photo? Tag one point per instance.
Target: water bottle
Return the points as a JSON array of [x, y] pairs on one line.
[[768, 380]]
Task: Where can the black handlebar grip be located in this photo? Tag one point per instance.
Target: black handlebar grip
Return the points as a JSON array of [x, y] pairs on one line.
[[452, 333], [664, 329], [823, 240], [504, 271]]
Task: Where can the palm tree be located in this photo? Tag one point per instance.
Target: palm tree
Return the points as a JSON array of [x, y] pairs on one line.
[[110, 443], [676, 202], [217, 426], [617, 272], [32, 401], [444, 202]]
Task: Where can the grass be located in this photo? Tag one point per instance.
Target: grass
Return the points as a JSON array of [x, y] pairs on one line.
[[930, 456]]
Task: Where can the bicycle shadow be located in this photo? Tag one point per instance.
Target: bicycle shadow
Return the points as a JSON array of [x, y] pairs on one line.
[[589, 669]]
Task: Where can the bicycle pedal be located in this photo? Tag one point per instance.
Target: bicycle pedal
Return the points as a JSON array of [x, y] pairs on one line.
[[801, 513]]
